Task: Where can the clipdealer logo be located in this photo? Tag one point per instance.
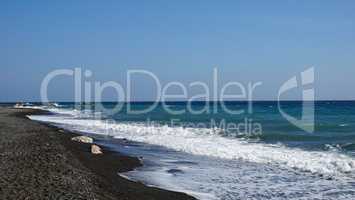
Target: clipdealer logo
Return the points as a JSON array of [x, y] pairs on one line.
[[305, 80]]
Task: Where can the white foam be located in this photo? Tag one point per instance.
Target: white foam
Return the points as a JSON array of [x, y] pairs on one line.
[[58, 109], [204, 142], [32, 107]]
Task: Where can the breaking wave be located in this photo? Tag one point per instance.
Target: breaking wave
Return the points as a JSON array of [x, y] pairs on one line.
[[205, 142]]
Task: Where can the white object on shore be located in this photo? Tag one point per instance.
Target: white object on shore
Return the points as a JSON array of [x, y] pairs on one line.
[[95, 149], [83, 139]]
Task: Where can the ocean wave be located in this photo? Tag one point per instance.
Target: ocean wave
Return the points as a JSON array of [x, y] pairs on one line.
[[205, 142], [59, 109]]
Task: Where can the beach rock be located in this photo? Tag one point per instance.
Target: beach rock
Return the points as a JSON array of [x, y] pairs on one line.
[[83, 139], [95, 149]]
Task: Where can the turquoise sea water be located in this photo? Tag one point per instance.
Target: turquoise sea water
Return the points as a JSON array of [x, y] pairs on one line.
[[266, 156]]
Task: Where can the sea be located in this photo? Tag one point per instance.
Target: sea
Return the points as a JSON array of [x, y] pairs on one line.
[[209, 152]]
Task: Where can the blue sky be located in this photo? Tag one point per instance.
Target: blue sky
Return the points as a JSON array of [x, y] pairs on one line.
[[249, 41]]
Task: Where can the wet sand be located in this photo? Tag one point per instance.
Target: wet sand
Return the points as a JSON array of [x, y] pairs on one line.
[[38, 161]]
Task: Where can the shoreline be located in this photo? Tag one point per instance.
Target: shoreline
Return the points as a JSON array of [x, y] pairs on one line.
[[41, 161]]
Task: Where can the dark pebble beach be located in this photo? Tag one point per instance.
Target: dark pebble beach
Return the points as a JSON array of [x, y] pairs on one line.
[[38, 161]]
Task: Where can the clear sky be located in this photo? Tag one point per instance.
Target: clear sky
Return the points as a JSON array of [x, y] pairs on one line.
[[268, 41]]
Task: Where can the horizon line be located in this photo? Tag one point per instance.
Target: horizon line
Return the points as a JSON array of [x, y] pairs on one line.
[[179, 101]]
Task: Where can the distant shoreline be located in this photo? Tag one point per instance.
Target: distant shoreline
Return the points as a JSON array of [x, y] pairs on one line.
[[42, 162]]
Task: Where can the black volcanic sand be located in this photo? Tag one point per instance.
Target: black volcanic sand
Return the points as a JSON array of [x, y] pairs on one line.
[[41, 162]]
